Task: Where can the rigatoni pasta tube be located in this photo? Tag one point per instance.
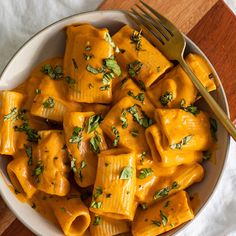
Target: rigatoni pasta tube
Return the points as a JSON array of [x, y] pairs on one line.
[[11, 103], [51, 163], [191, 132], [154, 63], [163, 155], [83, 143], [20, 175], [72, 215], [86, 49], [114, 188], [163, 216]]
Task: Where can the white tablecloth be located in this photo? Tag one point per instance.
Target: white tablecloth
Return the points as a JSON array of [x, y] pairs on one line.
[[20, 19]]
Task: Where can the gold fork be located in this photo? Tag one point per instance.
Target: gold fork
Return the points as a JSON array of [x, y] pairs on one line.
[[172, 43]]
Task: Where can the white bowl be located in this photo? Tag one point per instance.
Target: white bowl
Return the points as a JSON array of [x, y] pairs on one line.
[[50, 42]]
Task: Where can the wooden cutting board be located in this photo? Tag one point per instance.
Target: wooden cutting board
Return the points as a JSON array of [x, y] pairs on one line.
[[210, 24]]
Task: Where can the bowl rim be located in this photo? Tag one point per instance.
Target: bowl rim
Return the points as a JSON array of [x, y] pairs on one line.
[[188, 40]]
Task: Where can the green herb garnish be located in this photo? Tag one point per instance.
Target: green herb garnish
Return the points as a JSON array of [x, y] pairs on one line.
[[11, 115], [117, 136], [87, 57], [83, 164], [184, 141], [38, 170], [31, 133], [126, 173], [145, 172], [123, 120], [166, 98], [49, 103], [112, 65], [140, 96], [97, 220], [76, 136], [143, 120], [92, 69], [165, 191], [105, 87], [37, 91], [136, 38], [164, 218], [134, 68], [69, 80], [156, 222], [55, 73], [94, 122], [95, 143], [29, 153], [96, 205]]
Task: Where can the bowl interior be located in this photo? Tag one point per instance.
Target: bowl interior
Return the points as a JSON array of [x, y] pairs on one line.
[[50, 42]]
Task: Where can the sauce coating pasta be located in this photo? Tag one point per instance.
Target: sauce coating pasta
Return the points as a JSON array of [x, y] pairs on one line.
[[107, 139]]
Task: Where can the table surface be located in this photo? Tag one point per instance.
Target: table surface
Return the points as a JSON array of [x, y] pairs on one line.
[[212, 26]]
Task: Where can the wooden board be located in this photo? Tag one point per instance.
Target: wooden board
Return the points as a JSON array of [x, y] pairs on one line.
[[210, 24]]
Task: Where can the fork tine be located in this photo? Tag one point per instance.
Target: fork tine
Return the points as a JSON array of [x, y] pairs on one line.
[[165, 23], [149, 26], [156, 23], [146, 31]]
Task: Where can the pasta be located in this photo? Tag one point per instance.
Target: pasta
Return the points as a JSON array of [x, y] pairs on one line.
[[107, 140]]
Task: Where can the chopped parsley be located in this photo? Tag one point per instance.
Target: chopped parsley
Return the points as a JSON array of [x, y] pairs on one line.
[[29, 153], [213, 128], [164, 218], [12, 115], [69, 80], [87, 57], [63, 209], [141, 85], [123, 120], [95, 143], [136, 38], [134, 132], [156, 222], [105, 87], [49, 103], [73, 164], [134, 68], [38, 170], [97, 220], [55, 73], [123, 81], [112, 65], [117, 136], [110, 41], [167, 204], [94, 122], [191, 108], [83, 164], [184, 141], [74, 63], [145, 172], [32, 134], [87, 48], [76, 136], [166, 98], [92, 69], [165, 191], [140, 96], [143, 155], [37, 91], [126, 173], [98, 192], [96, 205], [143, 120]]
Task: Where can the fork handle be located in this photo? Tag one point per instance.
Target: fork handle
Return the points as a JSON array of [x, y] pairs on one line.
[[218, 111]]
